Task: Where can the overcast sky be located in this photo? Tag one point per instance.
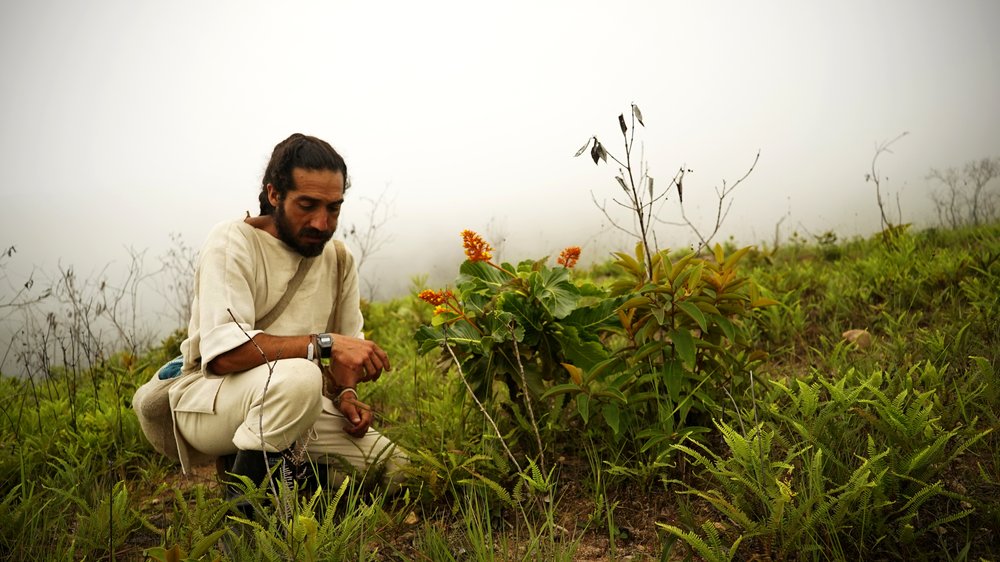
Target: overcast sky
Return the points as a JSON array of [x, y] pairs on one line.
[[125, 121]]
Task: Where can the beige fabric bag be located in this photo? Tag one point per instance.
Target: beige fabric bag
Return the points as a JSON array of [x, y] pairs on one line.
[[151, 401]]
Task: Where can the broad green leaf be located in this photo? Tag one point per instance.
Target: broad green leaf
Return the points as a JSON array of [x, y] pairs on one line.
[[683, 276], [590, 318], [694, 282], [719, 254], [706, 307], [519, 306], [482, 273], [586, 354], [583, 406], [635, 302], [640, 397], [443, 318], [556, 293], [673, 377], [680, 265], [612, 417], [627, 263], [460, 332], [692, 310], [613, 393], [565, 388], [640, 253], [501, 325], [588, 289], [646, 329], [659, 314], [727, 327], [684, 344], [648, 349], [597, 371], [735, 257]]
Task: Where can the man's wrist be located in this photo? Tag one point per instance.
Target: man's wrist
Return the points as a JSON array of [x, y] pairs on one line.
[[325, 344], [341, 391]]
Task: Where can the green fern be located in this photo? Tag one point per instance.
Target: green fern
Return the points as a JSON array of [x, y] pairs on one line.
[[711, 550]]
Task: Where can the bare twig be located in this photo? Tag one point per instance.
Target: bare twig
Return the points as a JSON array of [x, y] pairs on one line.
[[965, 199], [177, 273], [371, 237], [263, 402], [18, 300], [644, 201], [720, 215], [482, 408], [874, 177], [527, 400]]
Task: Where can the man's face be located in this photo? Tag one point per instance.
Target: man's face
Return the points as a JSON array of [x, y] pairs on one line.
[[307, 216]]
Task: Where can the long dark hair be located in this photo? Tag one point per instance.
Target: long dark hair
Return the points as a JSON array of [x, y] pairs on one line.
[[297, 151]]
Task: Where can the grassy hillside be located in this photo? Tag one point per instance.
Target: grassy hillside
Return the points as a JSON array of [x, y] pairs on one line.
[[654, 407]]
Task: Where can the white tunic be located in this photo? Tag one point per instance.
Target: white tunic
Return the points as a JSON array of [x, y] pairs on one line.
[[242, 273]]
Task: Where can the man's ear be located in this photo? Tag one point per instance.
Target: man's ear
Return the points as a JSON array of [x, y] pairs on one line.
[[272, 195]]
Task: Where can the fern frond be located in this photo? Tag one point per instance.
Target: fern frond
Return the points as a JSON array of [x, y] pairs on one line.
[[728, 509], [933, 526], [697, 543]]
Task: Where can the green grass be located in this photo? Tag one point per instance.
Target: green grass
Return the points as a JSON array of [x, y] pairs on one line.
[[823, 450]]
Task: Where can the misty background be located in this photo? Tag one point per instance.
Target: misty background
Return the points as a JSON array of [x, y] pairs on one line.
[[130, 128]]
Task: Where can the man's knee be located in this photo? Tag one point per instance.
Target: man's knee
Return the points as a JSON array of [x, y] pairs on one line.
[[298, 380], [287, 404]]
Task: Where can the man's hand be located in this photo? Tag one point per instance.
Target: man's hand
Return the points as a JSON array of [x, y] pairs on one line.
[[356, 412], [355, 360]]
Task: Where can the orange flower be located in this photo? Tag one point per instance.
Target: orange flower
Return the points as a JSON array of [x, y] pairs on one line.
[[476, 249], [441, 310], [569, 256], [436, 298]]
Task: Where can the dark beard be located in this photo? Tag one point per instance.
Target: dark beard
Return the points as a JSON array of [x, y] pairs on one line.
[[288, 237]]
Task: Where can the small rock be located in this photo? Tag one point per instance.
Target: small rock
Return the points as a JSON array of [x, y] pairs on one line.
[[860, 338]]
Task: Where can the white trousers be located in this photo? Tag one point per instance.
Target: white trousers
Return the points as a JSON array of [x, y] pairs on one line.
[[271, 411]]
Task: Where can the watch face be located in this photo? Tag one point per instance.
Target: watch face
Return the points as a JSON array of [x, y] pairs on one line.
[[325, 345]]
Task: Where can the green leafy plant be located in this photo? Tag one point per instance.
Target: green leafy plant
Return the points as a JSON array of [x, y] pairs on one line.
[[105, 527], [807, 491], [684, 345], [511, 328]]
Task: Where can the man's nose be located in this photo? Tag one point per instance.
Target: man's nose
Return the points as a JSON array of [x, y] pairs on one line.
[[320, 221]]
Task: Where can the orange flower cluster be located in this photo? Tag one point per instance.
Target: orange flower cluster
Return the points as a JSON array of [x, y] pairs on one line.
[[476, 249], [569, 257], [441, 310], [436, 298]]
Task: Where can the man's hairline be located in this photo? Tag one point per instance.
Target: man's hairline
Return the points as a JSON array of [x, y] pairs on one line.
[[282, 195]]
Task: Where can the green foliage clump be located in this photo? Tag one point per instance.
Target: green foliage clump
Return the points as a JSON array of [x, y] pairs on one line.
[[680, 347], [719, 384], [638, 359]]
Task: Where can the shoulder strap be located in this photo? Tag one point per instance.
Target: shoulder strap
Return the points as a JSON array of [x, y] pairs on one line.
[[293, 285], [342, 271]]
